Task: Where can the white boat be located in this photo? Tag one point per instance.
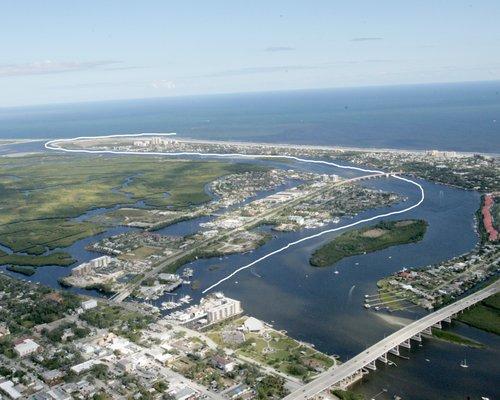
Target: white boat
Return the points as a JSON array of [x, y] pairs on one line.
[[188, 272], [463, 363], [169, 305]]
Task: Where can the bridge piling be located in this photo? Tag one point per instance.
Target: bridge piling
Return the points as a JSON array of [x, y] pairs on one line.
[[406, 344], [372, 366], [395, 351], [417, 337]]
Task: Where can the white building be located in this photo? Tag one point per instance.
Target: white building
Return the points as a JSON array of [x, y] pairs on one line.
[[84, 366], [252, 324], [223, 309], [89, 304], [8, 388], [26, 347], [85, 268]]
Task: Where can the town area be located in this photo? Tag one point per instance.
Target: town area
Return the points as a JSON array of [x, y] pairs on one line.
[[57, 346]]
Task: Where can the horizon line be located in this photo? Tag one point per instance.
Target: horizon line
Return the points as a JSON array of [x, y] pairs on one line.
[[180, 96]]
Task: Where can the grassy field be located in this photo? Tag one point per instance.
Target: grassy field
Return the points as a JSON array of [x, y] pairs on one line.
[[485, 315], [39, 194], [369, 239], [455, 338], [276, 350]]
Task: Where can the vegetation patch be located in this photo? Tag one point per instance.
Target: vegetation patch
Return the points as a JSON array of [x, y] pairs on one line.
[[347, 394], [58, 258], [118, 320], [366, 240], [38, 209], [21, 269], [455, 338], [485, 315]]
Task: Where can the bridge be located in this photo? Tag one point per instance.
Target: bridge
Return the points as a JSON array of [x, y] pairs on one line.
[[346, 373]]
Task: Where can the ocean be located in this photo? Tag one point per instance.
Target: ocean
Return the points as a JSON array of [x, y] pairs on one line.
[[461, 117]]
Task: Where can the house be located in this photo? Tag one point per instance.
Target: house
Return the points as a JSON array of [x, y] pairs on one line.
[[183, 393], [26, 347], [53, 376], [223, 363], [52, 394]]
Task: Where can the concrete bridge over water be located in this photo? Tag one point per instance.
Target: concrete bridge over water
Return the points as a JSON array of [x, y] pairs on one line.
[[346, 373]]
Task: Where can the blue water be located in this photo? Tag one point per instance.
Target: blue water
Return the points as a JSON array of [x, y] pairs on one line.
[[463, 117]]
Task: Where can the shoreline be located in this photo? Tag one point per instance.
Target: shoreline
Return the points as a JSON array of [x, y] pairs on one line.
[[283, 146]]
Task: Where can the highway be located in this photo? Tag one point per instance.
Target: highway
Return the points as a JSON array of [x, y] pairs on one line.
[[371, 354]]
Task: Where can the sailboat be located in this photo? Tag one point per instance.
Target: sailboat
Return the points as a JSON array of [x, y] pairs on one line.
[[463, 363]]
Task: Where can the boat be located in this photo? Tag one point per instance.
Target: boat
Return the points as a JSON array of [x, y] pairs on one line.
[[336, 272], [463, 363], [169, 305], [377, 308], [188, 272], [367, 306], [185, 299]]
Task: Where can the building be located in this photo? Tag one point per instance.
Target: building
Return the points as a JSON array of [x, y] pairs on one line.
[[53, 376], [86, 268], [84, 366], [183, 393], [223, 363], [252, 324], [26, 347], [9, 389], [89, 304], [222, 308]]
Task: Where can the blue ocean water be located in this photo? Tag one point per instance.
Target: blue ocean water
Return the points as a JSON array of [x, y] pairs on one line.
[[462, 117]]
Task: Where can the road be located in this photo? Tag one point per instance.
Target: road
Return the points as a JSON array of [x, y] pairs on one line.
[[250, 223], [331, 377]]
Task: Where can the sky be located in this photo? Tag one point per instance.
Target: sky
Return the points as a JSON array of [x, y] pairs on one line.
[[72, 51]]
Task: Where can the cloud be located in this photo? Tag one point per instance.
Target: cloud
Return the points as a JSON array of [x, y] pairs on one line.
[[163, 84], [51, 67], [365, 39], [259, 70], [276, 49]]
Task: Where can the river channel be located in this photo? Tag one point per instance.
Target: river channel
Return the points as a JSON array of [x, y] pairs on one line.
[[325, 308]]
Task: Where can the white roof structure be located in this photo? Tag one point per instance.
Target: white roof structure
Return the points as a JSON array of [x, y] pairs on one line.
[[252, 324], [84, 366], [27, 346], [8, 388]]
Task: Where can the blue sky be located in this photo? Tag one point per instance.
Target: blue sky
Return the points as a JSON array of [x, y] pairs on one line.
[[66, 51]]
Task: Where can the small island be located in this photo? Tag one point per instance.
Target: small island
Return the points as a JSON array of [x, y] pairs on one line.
[[369, 239]]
